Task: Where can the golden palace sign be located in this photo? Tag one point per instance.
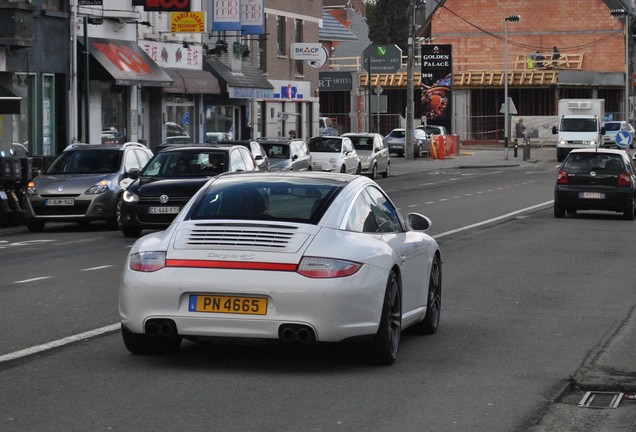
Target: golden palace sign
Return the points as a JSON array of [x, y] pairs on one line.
[[187, 22]]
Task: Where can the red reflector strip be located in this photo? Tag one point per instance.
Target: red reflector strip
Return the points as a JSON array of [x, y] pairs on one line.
[[231, 265]]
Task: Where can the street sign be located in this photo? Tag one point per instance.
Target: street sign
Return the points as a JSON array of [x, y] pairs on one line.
[[382, 58], [624, 139]]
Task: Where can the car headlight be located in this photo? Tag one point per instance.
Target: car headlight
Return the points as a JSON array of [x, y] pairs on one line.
[[147, 261], [31, 188], [562, 141], [130, 197], [98, 188], [593, 142]]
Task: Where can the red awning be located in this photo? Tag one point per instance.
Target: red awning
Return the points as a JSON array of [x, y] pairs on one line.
[[127, 63]]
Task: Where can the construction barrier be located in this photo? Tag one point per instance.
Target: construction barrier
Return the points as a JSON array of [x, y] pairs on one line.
[[443, 146]]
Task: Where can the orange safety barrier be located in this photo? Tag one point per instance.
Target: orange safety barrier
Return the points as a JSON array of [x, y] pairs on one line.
[[432, 154], [441, 146]]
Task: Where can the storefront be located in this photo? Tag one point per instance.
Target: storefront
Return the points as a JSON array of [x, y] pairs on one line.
[[236, 112], [122, 80], [183, 111]]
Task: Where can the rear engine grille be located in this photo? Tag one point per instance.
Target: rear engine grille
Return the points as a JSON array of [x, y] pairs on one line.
[[228, 235]]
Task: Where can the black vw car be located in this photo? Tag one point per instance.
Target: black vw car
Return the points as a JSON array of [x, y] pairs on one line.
[[171, 178], [596, 179]]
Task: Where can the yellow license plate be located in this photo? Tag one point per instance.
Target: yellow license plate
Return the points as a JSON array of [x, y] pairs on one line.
[[228, 304]]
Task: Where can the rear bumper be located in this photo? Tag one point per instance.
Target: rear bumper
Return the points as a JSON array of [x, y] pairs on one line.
[[614, 200]]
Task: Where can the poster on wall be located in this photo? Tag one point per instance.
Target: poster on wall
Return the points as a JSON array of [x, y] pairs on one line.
[[437, 80]]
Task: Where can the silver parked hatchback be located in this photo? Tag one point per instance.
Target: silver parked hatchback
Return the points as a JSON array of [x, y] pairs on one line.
[[373, 152], [84, 183]]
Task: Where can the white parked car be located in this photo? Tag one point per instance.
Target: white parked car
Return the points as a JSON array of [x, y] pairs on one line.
[[334, 153], [292, 257], [373, 152], [612, 128]]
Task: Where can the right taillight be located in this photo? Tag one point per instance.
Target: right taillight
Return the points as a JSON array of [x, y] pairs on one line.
[[624, 179], [562, 177]]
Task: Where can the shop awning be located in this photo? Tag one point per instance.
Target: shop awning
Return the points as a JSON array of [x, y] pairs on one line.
[[192, 81], [127, 63], [246, 83], [9, 103], [332, 30]]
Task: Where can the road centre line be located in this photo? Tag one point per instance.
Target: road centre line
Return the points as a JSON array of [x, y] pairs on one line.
[[115, 327], [32, 279], [58, 343], [97, 268], [489, 221]]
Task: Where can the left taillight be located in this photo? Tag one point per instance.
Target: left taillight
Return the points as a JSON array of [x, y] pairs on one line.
[[147, 261], [562, 177], [317, 267]]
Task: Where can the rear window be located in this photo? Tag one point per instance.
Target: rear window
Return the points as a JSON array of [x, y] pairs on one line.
[[599, 162], [302, 201], [362, 142], [397, 134]]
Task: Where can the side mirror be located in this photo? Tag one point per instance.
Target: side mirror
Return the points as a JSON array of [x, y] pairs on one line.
[[554, 130], [418, 222], [603, 130], [133, 173]]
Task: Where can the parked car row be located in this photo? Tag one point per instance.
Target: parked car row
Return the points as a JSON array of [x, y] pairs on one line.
[[132, 189]]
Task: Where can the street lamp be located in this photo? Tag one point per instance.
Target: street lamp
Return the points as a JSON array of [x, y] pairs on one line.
[[623, 13], [511, 18]]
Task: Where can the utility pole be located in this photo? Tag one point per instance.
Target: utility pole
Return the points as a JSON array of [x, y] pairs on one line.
[[408, 144]]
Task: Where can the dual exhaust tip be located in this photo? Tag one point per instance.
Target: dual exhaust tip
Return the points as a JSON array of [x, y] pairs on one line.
[[287, 333], [296, 333]]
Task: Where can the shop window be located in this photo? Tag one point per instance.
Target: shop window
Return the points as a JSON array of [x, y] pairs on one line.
[[219, 123]]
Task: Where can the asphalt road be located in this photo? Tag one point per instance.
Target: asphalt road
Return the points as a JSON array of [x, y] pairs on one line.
[[527, 299]]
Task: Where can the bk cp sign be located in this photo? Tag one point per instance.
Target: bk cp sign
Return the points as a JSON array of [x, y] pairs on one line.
[[382, 58]]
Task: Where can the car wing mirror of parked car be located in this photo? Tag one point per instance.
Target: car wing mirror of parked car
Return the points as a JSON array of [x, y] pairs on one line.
[[294, 157], [418, 222], [603, 130], [554, 130], [133, 173]]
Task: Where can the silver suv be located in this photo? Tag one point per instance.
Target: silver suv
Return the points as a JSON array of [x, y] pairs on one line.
[[84, 183]]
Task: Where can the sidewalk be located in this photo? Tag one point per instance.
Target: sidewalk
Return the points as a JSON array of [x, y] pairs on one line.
[[474, 157]]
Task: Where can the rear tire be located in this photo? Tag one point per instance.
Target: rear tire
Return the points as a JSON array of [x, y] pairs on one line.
[[559, 211], [142, 344], [387, 173], [628, 213], [386, 343]]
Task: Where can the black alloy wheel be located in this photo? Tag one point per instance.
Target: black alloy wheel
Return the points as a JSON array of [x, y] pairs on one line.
[[430, 323]]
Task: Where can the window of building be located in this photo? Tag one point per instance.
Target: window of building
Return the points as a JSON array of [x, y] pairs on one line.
[[55, 5], [281, 33], [261, 54], [298, 64]]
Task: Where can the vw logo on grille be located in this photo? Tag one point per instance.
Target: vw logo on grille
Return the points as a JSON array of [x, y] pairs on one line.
[[60, 189], [163, 199]]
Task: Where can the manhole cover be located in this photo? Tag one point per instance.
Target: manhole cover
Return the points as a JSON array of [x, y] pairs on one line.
[[595, 399]]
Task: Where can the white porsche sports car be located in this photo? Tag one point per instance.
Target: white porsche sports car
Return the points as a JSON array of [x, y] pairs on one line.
[[298, 257]]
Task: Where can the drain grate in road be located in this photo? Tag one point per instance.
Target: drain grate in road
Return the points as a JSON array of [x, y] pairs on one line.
[[598, 399]]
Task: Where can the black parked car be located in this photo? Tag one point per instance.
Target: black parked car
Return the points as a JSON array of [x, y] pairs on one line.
[[171, 178], [595, 179]]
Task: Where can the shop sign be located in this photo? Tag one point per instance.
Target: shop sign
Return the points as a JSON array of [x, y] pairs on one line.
[[187, 22]]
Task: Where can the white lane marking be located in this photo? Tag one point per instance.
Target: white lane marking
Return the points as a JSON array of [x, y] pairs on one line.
[[4, 243], [33, 279], [488, 221], [114, 327], [97, 268], [58, 343]]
